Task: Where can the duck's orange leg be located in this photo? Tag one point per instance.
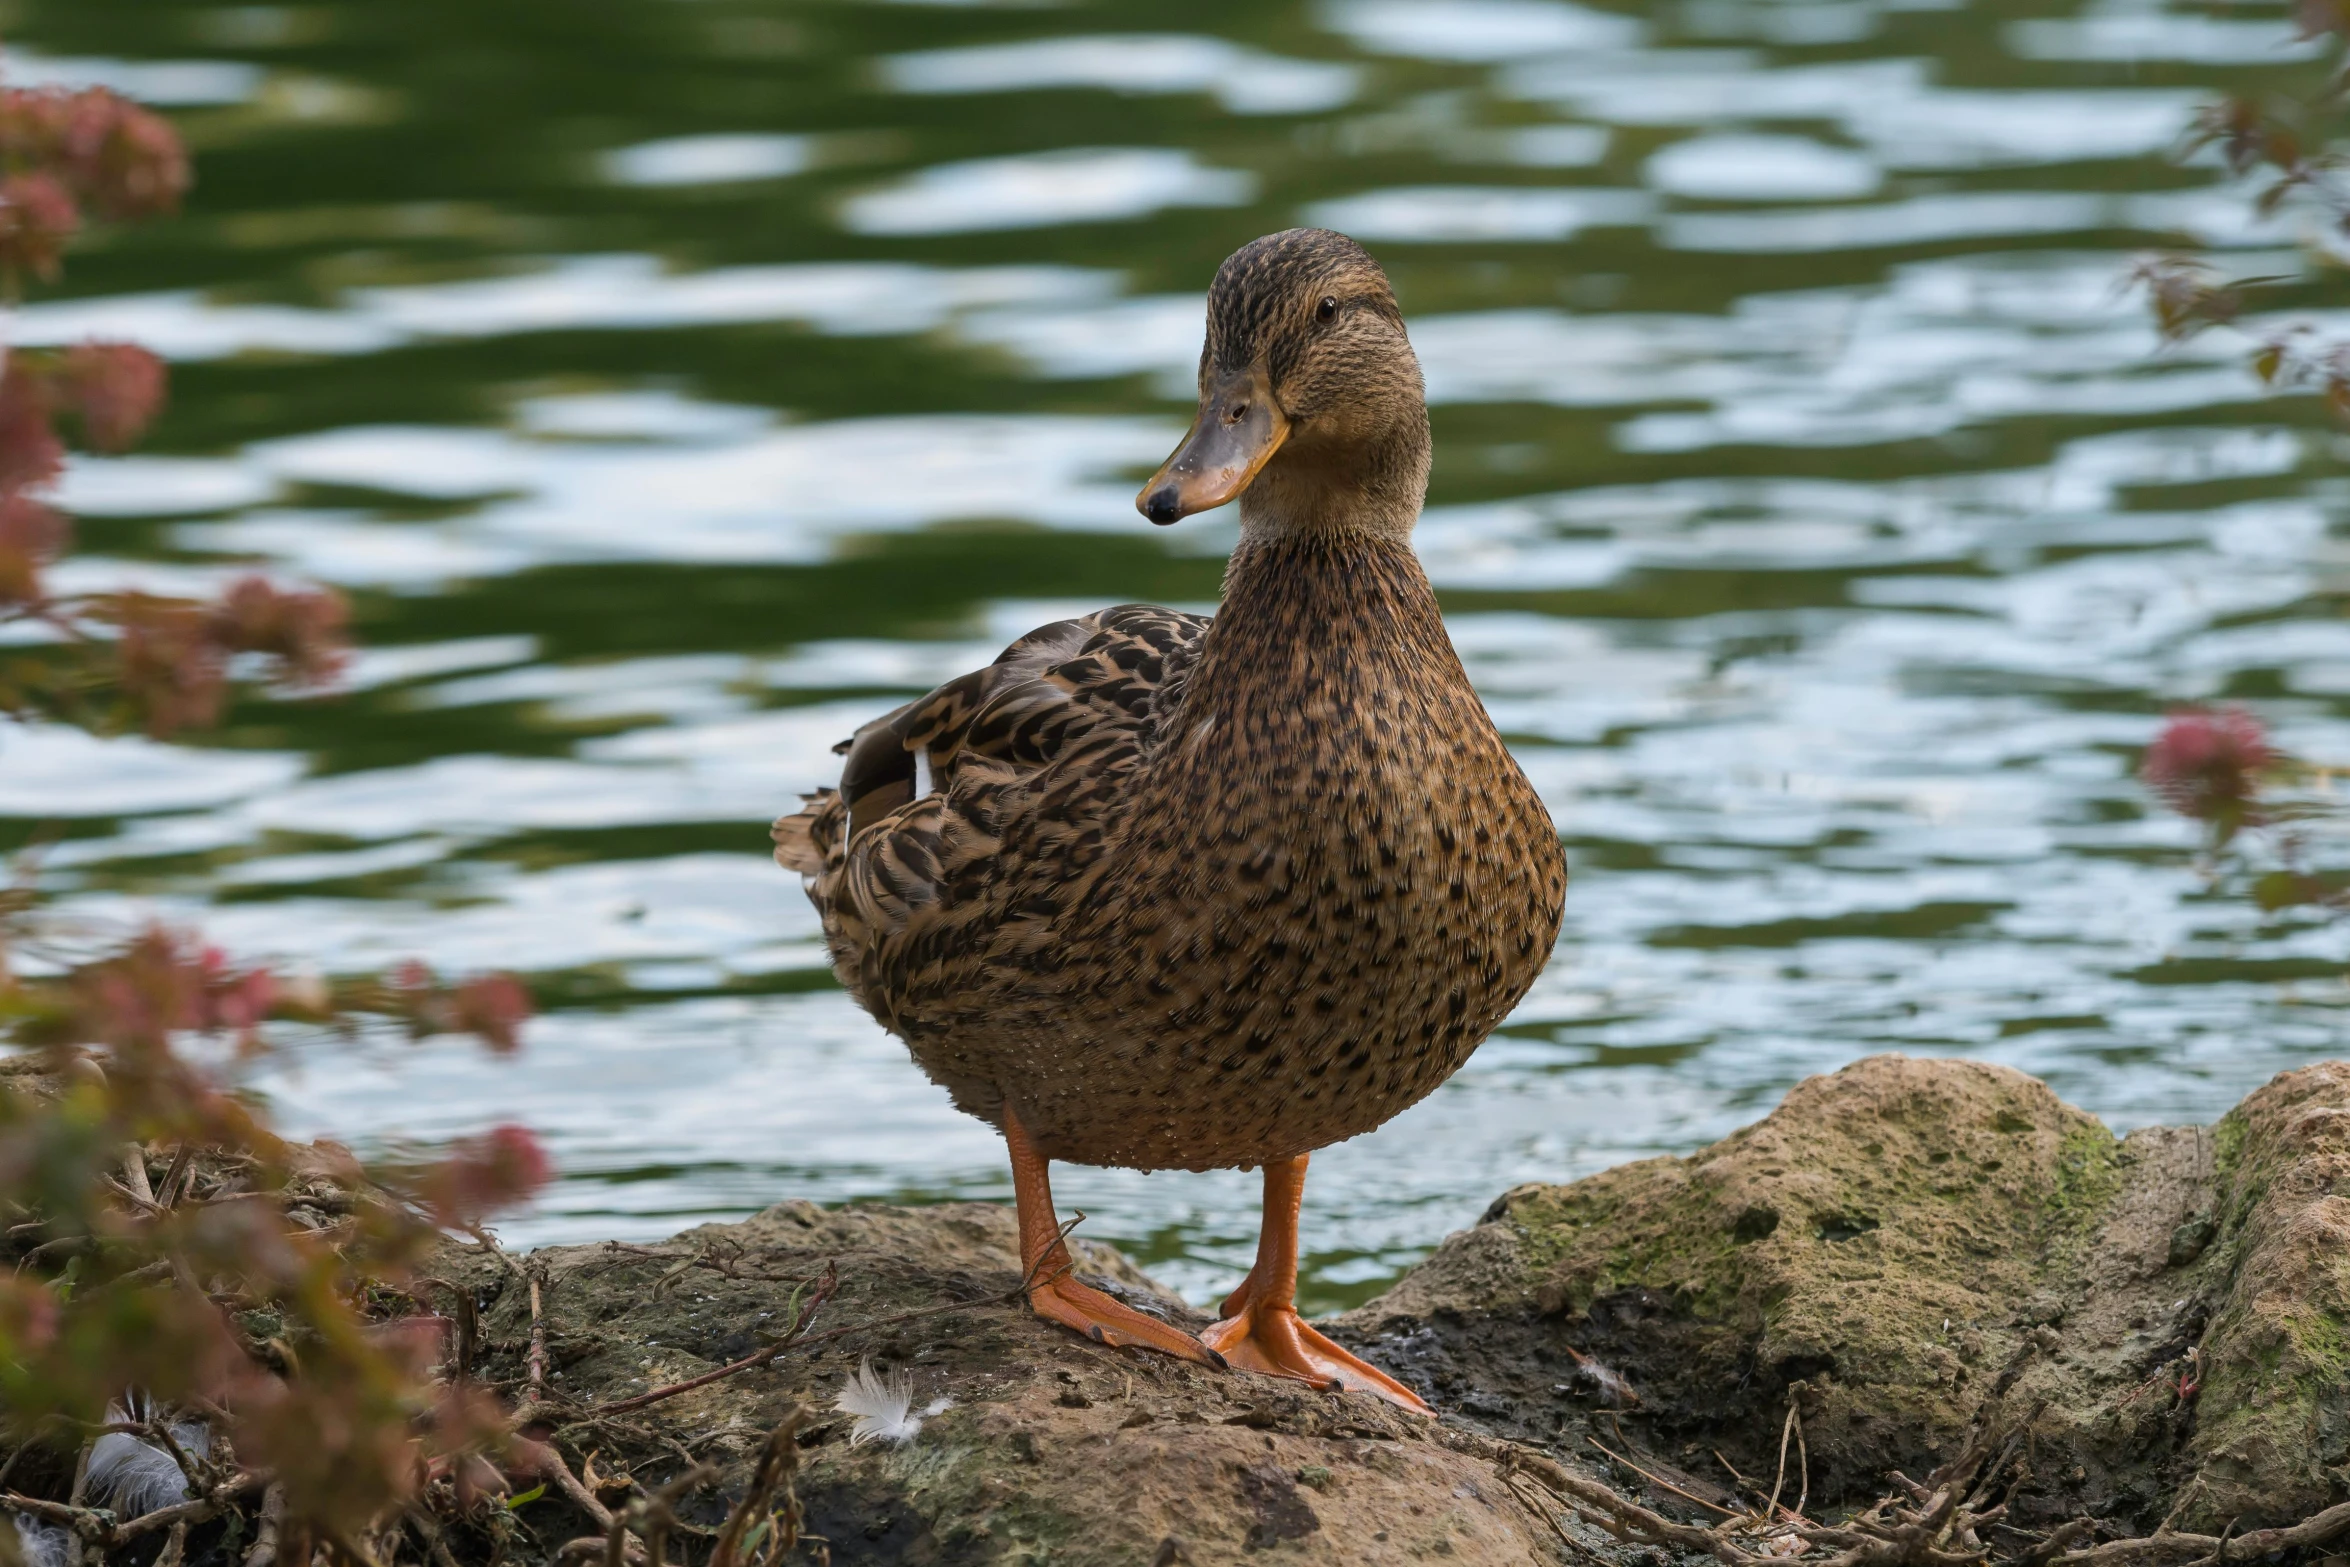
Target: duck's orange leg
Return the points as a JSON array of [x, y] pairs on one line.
[[1053, 1290], [1262, 1331]]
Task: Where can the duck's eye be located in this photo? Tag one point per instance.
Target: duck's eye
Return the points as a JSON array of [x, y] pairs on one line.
[[1328, 309]]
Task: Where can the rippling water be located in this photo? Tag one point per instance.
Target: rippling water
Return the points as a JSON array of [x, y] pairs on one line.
[[673, 386]]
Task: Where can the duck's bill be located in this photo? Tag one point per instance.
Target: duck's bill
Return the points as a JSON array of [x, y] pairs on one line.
[[1237, 432]]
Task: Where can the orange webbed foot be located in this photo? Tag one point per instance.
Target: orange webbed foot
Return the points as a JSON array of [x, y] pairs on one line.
[[1053, 1292], [1270, 1338], [1107, 1320]]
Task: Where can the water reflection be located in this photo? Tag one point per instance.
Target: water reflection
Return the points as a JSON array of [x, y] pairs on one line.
[[1041, 190], [707, 160], [1242, 80], [1761, 168], [1820, 519]]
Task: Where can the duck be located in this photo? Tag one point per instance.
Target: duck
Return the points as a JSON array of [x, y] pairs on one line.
[[1167, 891]]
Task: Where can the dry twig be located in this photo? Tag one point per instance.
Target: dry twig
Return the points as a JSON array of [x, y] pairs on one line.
[[777, 1461], [538, 1336], [96, 1526], [273, 1512]]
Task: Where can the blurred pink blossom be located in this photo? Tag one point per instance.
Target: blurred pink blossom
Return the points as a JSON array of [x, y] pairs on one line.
[[2206, 764]]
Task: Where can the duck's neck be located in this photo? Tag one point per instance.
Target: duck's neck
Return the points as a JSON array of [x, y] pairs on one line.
[[1302, 611], [1314, 490], [1325, 601]]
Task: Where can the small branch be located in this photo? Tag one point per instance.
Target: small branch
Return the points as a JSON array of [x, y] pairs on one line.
[[134, 1175], [538, 1338], [2057, 1543], [273, 1512], [169, 1192], [1802, 1460], [1786, 1429], [1663, 1485], [547, 1464], [2322, 1529], [97, 1526], [1622, 1518], [159, 1433], [84, 1521]]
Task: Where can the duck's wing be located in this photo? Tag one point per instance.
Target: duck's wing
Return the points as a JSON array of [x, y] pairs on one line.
[[963, 818]]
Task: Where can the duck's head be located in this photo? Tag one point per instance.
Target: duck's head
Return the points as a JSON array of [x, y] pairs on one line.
[[1310, 400]]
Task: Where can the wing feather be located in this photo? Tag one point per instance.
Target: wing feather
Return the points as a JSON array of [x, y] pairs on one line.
[[1025, 753]]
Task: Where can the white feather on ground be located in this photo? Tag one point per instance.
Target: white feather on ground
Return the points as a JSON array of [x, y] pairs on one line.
[[134, 1476], [884, 1406], [42, 1544]]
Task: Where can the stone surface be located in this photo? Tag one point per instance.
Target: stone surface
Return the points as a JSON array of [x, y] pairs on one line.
[[1904, 1240], [1899, 1249], [1053, 1449]]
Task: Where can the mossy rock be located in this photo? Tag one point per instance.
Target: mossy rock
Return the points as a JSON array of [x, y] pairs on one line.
[[2274, 1424], [1902, 1243], [1901, 1249], [1051, 1450]]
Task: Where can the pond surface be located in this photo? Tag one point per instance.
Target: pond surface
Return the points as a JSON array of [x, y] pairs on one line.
[[673, 385]]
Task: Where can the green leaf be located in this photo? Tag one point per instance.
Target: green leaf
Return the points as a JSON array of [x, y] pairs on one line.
[[525, 1498]]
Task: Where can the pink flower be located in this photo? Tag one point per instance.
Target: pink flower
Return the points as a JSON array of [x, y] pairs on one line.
[[494, 1006], [502, 1167], [37, 217], [30, 453], [169, 664], [125, 161], [31, 535], [302, 631], [116, 387], [240, 1002], [2207, 764]]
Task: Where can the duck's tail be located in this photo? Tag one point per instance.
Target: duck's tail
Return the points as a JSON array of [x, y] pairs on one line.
[[798, 837]]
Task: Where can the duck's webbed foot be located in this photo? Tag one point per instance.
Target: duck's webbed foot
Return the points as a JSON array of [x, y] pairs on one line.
[[1053, 1291], [1270, 1338], [1261, 1330], [1107, 1320]]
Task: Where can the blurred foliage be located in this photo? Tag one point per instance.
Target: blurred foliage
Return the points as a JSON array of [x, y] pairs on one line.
[[167, 1250], [2293, 145], [2258, 805]]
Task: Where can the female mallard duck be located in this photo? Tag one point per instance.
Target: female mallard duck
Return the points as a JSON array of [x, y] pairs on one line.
[[1170, 893]]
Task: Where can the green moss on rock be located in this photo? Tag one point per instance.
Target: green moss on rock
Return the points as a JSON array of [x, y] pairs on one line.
[[1903, 1240], [2273, 1430]]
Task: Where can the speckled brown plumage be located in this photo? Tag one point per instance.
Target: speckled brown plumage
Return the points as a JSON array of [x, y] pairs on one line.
[[1191, 893]]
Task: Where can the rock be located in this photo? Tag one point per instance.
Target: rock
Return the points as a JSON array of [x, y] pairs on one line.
[[1051, 1448], [2273, 1433], [1904, 1246], [2188, 1241], [1901, 1250]]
